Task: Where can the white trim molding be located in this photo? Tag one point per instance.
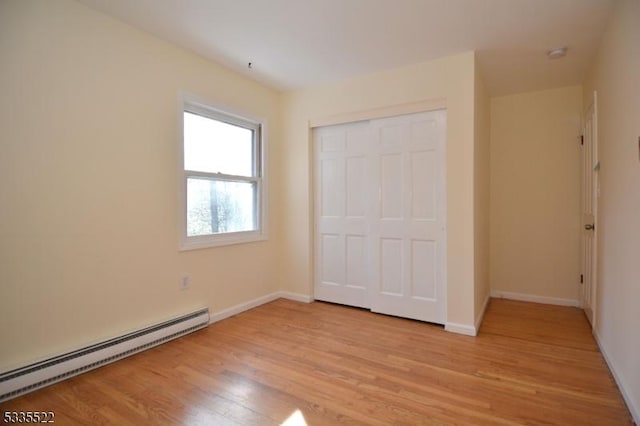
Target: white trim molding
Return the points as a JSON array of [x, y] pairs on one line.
[[634, 410], [467, 330], [535, 298], [297, 297], [383, 112], [480, 315], [242, 307]]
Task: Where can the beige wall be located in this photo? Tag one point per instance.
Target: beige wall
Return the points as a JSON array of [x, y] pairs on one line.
[[616, 77], [535, 193], [88, 181], [481, 198], [451, 78]]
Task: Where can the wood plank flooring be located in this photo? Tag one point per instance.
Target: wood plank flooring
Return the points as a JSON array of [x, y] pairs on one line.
[[330, 364]]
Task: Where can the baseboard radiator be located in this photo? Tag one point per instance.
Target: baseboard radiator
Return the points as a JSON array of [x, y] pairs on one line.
[[26, 379]]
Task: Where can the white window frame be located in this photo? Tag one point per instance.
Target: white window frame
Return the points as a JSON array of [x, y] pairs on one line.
[[193, 104]]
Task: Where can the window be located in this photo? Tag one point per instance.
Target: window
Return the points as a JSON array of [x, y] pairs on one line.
[[221, 182]]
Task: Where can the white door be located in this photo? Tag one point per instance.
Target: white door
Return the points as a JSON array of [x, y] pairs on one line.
[[341, 185], [590, 167], [380, 208], [407, 239]]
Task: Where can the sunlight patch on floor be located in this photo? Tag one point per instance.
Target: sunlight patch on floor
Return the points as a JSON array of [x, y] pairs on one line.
[[295, 419]]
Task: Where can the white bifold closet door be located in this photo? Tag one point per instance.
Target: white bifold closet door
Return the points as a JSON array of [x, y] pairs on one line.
[[380, 210]]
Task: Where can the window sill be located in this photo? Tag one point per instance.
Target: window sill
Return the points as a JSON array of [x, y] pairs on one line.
[[208, 241]]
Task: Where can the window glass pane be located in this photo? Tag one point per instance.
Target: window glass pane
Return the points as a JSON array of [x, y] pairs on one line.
[[216, 207], [212, 146]]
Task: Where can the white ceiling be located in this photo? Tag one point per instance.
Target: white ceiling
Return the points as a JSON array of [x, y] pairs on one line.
[[299, 43]]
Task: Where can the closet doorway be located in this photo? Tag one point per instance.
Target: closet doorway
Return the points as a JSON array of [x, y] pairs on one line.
[[380, 215]]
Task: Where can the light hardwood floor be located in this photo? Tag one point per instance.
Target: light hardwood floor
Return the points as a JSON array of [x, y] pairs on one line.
[[330, 364]]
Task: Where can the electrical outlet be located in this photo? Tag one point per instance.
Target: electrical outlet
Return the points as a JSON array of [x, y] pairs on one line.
[[186, 281]]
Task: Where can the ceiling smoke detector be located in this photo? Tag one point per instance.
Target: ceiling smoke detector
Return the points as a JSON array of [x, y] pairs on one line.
[[556, 53]]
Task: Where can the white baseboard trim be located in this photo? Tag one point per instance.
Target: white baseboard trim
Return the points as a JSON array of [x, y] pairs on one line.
[[467, 330], [635, 411], [535, 299], [295, 296], [235, 310], [480, 315]]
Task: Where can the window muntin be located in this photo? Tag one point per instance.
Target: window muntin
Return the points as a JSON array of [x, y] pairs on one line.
[[222, 178]]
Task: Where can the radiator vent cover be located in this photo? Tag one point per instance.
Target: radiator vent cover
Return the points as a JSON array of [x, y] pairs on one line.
[[34, 376]]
